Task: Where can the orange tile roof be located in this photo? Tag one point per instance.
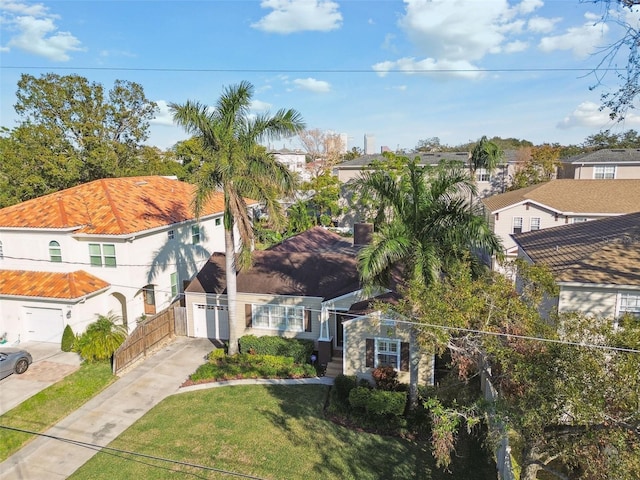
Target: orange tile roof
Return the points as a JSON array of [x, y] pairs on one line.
[[575, 196], [69, 286], [111, 206]]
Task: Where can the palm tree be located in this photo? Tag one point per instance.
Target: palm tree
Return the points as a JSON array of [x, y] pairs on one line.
[[485, 155], [430, 225], [241, 168], [102, 338]]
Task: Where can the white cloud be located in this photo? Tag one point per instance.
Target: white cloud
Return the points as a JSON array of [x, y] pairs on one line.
[[541, 24], [163, 114], [581, 41], [260, 106], [445, 68], [516, 46], [289, 16], [589, 114], [117, 53], [529, 6], [33, 29], [313, 85]]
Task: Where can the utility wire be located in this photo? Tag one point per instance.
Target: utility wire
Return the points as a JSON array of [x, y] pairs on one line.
[[318, 70], [120, 453]]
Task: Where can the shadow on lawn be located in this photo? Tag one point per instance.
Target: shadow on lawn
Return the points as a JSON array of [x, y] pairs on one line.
[[369, 455]]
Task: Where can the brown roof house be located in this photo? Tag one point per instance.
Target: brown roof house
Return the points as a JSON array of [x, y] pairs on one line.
[[116, 245], [304, 288], [557, 202], [596, 264]]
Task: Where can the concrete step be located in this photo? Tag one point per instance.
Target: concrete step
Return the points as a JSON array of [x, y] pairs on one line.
[[334, 368]]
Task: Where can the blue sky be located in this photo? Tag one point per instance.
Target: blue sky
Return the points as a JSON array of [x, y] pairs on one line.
[[399, 70]]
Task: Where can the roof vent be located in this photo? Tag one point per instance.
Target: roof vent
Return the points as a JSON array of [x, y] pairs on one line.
[[141, 183]]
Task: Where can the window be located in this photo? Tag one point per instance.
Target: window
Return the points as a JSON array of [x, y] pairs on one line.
[[174, 284], [387, 353], [535, 223], [102, 255], [604, 171], [1, 252], [278, 317], [517, 224], [218, 222], [630, 303], [170, 234], [578, 219], [482, 175], [195, 234], [55, 253]]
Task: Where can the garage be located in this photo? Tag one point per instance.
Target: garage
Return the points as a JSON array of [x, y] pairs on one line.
[[44, 324], [211, 321]]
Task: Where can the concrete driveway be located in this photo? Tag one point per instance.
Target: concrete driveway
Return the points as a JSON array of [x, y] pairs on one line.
[[108, 414], [50, 364]]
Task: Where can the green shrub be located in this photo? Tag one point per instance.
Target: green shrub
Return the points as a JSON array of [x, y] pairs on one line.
[[383, 402], [359, 398], [68, 339], [299, 349], [342, 386]]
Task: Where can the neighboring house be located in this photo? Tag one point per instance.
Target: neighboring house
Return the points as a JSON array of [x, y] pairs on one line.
[[606, 164], [555, 203], [595, 264], [302, 288], [120, 246], [295, 160], [487, 183]]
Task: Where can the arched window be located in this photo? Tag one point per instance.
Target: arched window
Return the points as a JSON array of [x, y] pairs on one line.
[[55, 253]]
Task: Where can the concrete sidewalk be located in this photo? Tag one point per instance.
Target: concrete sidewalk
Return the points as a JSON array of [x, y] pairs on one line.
[[108, 414]]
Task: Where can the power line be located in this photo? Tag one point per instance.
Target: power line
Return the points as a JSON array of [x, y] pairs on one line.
[[120, 453], [317, 70]]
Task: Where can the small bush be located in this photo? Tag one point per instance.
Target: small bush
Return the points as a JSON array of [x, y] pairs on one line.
[[68, 339], [299, 349], [386, 378], [386, 403], [359, 398]]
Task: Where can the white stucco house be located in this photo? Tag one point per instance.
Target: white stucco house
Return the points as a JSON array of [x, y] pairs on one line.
[[120, 246], [595, 264]]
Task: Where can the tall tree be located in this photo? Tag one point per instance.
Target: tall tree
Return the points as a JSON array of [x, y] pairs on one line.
[[539, 164], [239, 166], [574, 408], [485, 155], [425, 225], [324, 149]]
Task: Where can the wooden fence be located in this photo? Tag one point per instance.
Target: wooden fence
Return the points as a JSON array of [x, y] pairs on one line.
[[149, 334]]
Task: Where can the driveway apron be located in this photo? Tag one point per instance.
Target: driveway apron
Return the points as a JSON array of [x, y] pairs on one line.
[[108, 414], [49, 366]]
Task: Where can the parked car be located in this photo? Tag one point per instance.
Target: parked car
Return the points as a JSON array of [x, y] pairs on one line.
[[13, 360]]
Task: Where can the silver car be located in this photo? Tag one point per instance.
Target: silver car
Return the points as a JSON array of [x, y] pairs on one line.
[[13, 360]]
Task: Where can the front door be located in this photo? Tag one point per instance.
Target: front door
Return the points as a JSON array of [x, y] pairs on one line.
[[339, 329], [149, 300]]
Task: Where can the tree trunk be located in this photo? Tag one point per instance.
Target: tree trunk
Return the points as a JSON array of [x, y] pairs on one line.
[[414, 361], [230, 265]]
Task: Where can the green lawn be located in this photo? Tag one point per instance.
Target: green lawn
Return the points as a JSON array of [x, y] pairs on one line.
[[271, 432], [52, 404]]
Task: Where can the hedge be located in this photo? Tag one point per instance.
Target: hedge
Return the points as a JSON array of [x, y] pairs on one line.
[[378, 402], [299, 349]]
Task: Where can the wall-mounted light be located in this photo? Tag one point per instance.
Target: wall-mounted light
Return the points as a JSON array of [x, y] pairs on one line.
[[68, 313]]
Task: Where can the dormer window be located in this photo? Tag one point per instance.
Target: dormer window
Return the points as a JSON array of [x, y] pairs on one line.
[[55, 252]]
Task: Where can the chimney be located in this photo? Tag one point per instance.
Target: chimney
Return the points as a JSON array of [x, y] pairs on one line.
[[362, 233]]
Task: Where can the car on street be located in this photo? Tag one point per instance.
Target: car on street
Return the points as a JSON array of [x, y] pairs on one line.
[[13, 360]]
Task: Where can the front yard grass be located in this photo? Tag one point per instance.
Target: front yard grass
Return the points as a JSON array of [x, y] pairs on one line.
[[52, 404], [270, 432]]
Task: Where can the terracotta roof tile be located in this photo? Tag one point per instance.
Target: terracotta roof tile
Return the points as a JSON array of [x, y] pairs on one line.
[[575, 196], [605, 251], [111, 206], [68, 286]]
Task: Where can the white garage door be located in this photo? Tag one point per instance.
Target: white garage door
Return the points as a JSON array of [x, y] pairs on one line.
[[211, 321], [44, 324]]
